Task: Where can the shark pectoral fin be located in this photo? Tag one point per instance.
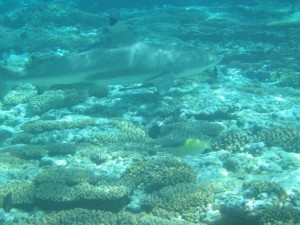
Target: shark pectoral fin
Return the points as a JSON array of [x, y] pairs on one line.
[[162, 83]]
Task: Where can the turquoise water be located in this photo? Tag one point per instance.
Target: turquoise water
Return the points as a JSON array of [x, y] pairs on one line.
[[149, 112]]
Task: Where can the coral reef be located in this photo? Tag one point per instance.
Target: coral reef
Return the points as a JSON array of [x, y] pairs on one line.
[[22, 138], [78, 129], [289, 78], [84, 216], [64, 20], [255, 188], [22, 94], [120, 131], [157, 173], [276, 214], [68, 176], [54, 99], [28, 151], [187, 200], [99, 157], [106, 196], [40, 126], [46, 101], [286, 137], [23, 193], [79, 154], [61, 149], [38, 151], [62, 188], [232, 141]]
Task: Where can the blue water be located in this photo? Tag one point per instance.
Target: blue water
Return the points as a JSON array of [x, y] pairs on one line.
[[149, 112]]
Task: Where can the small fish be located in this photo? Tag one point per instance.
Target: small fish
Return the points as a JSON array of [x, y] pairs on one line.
[[188, 146]]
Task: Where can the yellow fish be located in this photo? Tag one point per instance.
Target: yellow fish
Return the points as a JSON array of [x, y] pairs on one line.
[[189, 146]]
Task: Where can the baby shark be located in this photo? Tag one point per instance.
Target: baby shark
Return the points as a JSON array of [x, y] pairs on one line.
[[136, 62]]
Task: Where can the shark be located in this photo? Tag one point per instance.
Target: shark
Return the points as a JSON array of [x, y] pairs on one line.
[[136, 62]]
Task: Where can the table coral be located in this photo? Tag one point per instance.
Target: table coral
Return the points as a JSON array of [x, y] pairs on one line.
[[157, 173]]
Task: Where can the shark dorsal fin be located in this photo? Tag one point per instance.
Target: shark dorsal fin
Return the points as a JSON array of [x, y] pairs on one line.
[[121, 35]]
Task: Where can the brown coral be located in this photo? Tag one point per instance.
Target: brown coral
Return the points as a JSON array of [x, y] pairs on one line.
[[232, 141], [286, 137]]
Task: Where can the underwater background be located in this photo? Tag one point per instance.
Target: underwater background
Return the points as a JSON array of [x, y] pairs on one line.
[[221, 147]]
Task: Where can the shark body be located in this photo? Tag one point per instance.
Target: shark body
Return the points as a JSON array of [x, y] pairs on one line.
[[135, 63]]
